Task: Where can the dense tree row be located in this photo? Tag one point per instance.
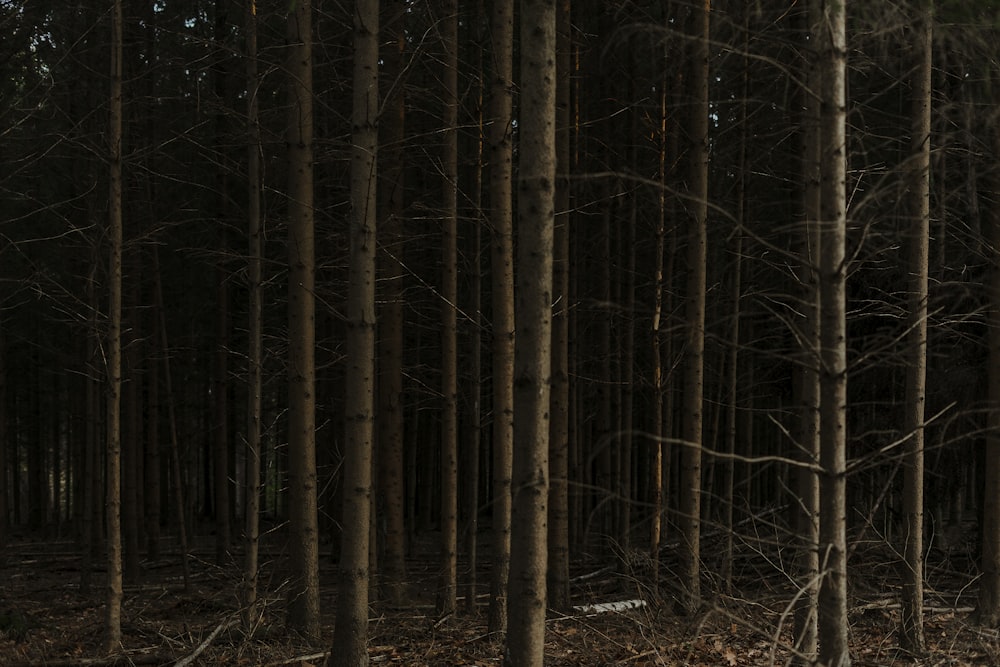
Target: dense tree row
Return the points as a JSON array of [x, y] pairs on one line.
[[613, 278]]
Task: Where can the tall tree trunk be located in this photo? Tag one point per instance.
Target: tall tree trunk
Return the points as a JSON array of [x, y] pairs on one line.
[[499, 120], [449, 298], [131, 433], [220, 388], [220, 421], [91, 458], [919, 204], [3, 438], [303, 594], [391, 486], [694, 366], [251, 508], [351, 628], [473, 392], [113, 345], [557, 580], [175, 455], [988, 608], [808, 382], [532, 356], [656, 342], [832, 604]]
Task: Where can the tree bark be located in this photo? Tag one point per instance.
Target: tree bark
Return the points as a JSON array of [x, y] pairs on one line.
[[449, 302], [532, 356], [808, 382], [391, 486], [303, 594], [988, 608], [832, 604], [918, 204], [251, 538], [499, 121], [113, 346], [557, 580], [351, 628], [694, 365]]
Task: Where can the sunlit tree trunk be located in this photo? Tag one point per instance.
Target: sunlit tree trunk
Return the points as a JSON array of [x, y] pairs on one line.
[[832, 604], [499, 119], [532, 357], [694, 365], [558, 556], [112, 346], [918, 203], [449, 298], [350, 639]]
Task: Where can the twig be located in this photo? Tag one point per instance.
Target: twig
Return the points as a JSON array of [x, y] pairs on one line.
[[208, 640], [298, 659]]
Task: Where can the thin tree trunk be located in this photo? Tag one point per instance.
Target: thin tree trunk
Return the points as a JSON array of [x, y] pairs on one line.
[[449, 326], [474, 379], [90, 464], [918, 178], [113, 349], [500, 116], [694, 367], [532, 357], [351, 628], [557, 580], [251, 509], [131, 436], [175, 456], [220, 385], [832, 604], [656, 340], [807, 507]]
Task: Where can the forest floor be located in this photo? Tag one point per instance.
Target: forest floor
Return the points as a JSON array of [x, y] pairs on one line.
[[45, 620]]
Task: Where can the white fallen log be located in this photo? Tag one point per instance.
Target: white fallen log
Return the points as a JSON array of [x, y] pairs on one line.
[[604, 607]]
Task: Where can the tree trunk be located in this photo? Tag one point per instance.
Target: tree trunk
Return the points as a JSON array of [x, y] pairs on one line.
[[694, 366], [255, 328], [557, 580], [918, 204], [113, 346], [131, 435], [351, 628], [449, 298], [472, 442], [391, 486], [832, 603], [532, 357], [220, 388], [808, 422], [988, 609], [303, 594], [499, 120], [3, 438]]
